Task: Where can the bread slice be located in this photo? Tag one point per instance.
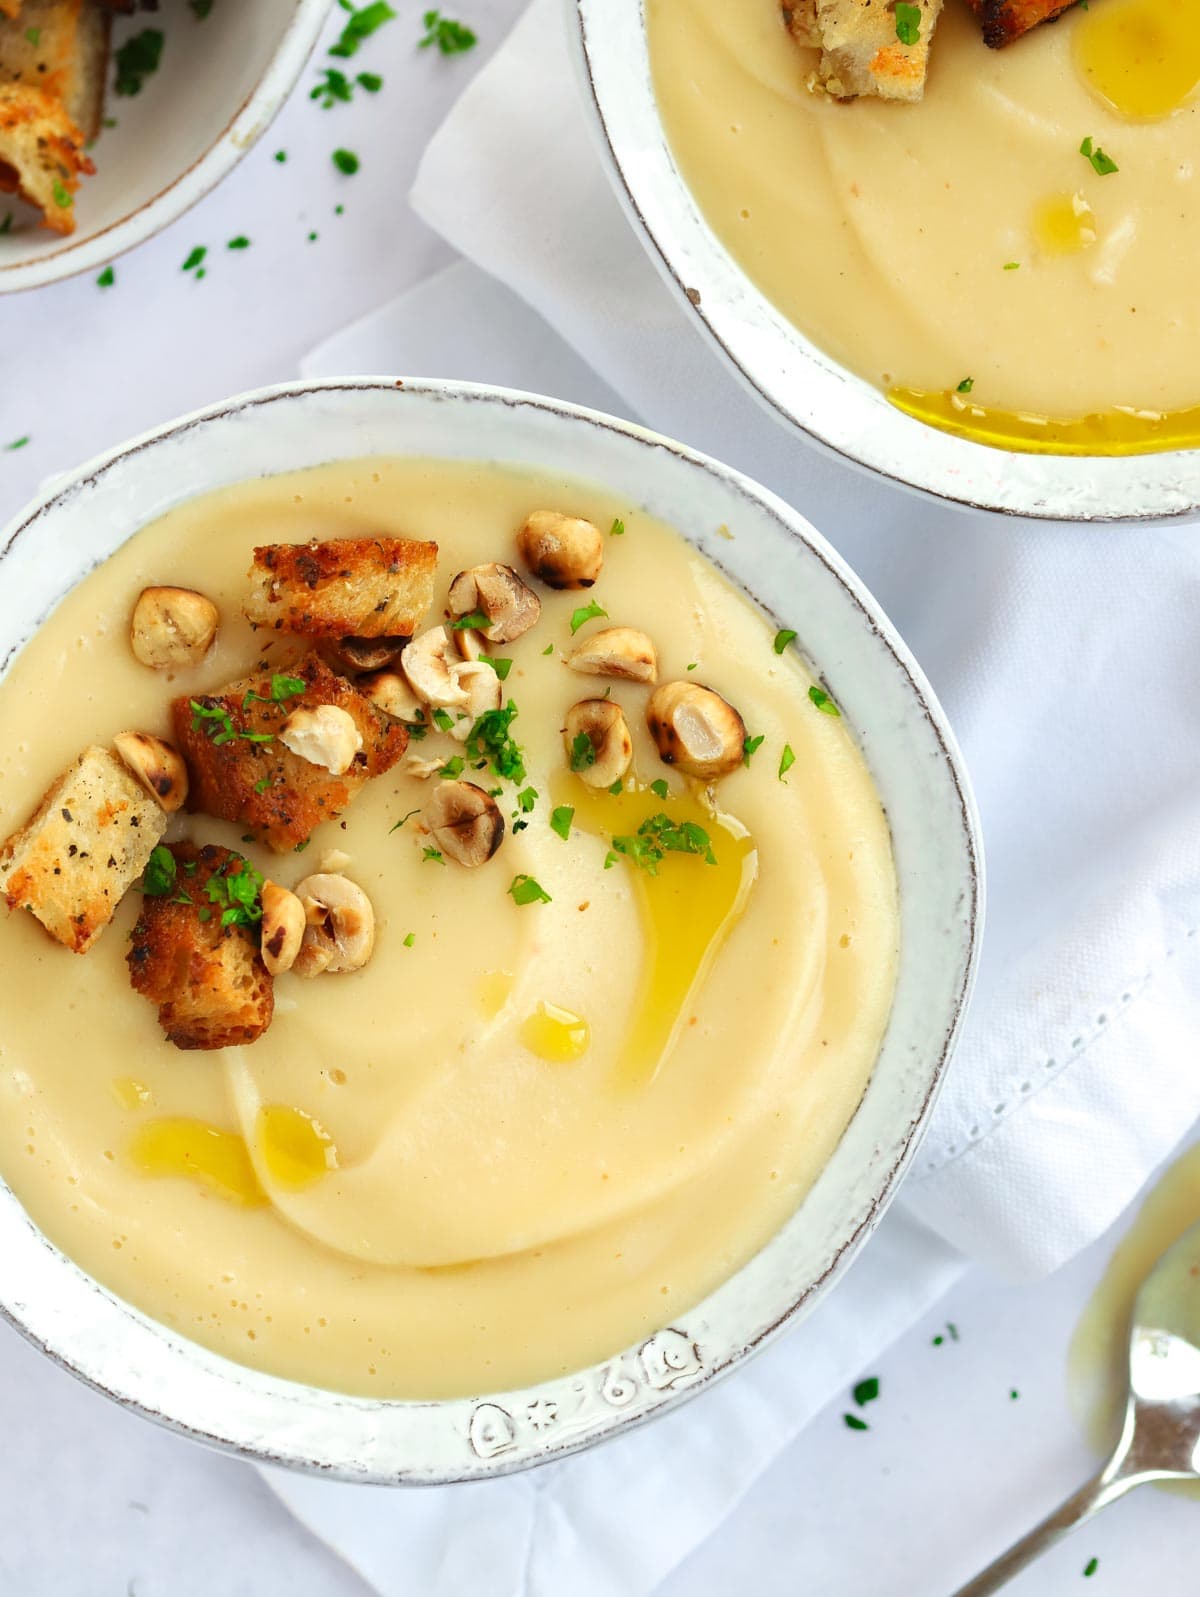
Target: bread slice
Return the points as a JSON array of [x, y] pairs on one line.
[[263, 786], [208, 980], [861, 50], [345, 587], [88, 842], [1006, 20], [42, 154]]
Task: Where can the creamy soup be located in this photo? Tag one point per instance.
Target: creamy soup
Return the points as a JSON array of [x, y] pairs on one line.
[[963, 253], [524, 1135]]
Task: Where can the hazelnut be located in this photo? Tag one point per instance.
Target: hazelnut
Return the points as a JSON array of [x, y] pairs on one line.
[[157, 765], [283, 924], [427, 663], [695, 729], [603, 724], [172, 628], [464, 822], [616, 652], [327, 736], [391, 692], [564, 551], [339, 932], [363, 654], [497, 592]]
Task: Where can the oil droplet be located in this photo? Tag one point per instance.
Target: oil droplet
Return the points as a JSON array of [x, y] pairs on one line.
[[295, 1148], [131, 1094], [687, 910], [1120, 431], [1064, 224], [1140, 57], [495, 988], [556, 1034], [217, 1159]]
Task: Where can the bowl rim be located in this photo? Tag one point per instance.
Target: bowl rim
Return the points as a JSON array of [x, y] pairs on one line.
[[285, 1400], [243, 130], [797, 382]]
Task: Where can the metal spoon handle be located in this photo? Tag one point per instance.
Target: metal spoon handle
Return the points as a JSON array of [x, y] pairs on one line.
[[1080, 1506]]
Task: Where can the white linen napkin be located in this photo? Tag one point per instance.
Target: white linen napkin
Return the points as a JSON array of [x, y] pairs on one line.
[[1069, 661]]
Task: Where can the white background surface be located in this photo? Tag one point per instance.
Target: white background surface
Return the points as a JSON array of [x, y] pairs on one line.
[[93, 1501]]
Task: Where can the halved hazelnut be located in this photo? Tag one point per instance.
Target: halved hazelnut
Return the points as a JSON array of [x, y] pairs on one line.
[[464, 822], [327, 736], [158, 766], [363, 654], [695, 729], [564, 551], [172, 628], [497, 592], [283, 923], [391, 692], [427, 663], [339, 932], [483, 691], [616, 652], [604, 726]]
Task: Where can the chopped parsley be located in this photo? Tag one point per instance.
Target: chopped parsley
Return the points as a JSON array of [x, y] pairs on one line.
[[692, 665], [200, 9], [220, 726], [443, 720], [586, 613], [822, 701], [451, 38], [195, 258], [782, 638], [583, 752], [370, 81], [560, 820], [617, 530], [1013, 1395], [660, 789], [618, 786], [241, 242], [262, 784], [527, 798], [1012, 266], [525, 890], [549, 649], [107, 278], [908, 22], [334, 86], [453, 767], [1101, 163], [62, 195], [490, 740], [1090, 1568], [282, 687], [659, 836], [410, 939], [610, 859], [281, 156], [852, 1421], [402, 820], [432, 854], [471, 622], [138, 59], [362, 24], [965, 386], [34, 36], [17, 443], [159, 876], [499, 665], [6, 223], [346, 161], [786, 760], [867, 1391], [750, 747], [238, 893]]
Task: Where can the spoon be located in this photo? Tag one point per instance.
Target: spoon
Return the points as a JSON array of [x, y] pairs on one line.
[[1161, 1436]]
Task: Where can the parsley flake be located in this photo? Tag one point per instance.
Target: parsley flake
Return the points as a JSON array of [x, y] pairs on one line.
[[560, 820], [237, 892], [62, 195], [782, 638], [617, 530], [524, 889], [410, 939], [159, 876], [370, 81], [471, 622], [586, 613], [786, 760], [138, 59], [17, 443], [6, 223], [443, 720], [107, 278], [282, 687], [432, 854], [852, 1421], [200, 9], [490, 740], [499, 665], [1090, 1568], [867, 1391], [660, 789], [908, 23], [822, 701], [362, 25], [346, 161], [527, 798], [750, 747], [965, 386], [451, 38], [281, 156], [583, 752], [402, 820], [1012, 266], [453, 767], [194, 258], [241, 242], [334, 86], [1102, 164], [659, 836]]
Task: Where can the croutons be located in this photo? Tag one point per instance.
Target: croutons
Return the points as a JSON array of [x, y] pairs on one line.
[[863, 48], [71, 864], [240, 769], [62, 47], [345, 587], [42, 154], [1006, 20], [208, 979]]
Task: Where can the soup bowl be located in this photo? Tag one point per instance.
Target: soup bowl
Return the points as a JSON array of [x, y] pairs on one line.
[[781, 366], [791, 574]]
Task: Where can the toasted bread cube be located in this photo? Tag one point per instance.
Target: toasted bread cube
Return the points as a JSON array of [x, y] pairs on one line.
[[1006, 20], [61, 47], [343, 588], [72, 863], [41, 153], [208, 980], [251, 778], [861, 53]]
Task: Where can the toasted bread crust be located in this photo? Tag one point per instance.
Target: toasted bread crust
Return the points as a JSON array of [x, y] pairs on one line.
[[860, 51], [42, 153], [61, 48], [83, 848], [226, 778], [344, 587], [208, 980], [1006, 20]]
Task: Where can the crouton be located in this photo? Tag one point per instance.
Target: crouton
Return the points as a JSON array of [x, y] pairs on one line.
[[208, 980], [241, 771], [42, 153], [61, 47], [345, 587], [1006, 20], [71, 864], [862, 51]]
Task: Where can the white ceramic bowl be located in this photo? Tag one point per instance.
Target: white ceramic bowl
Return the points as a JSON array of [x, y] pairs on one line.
[[786, 370], [775, 557], [220, 84]]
